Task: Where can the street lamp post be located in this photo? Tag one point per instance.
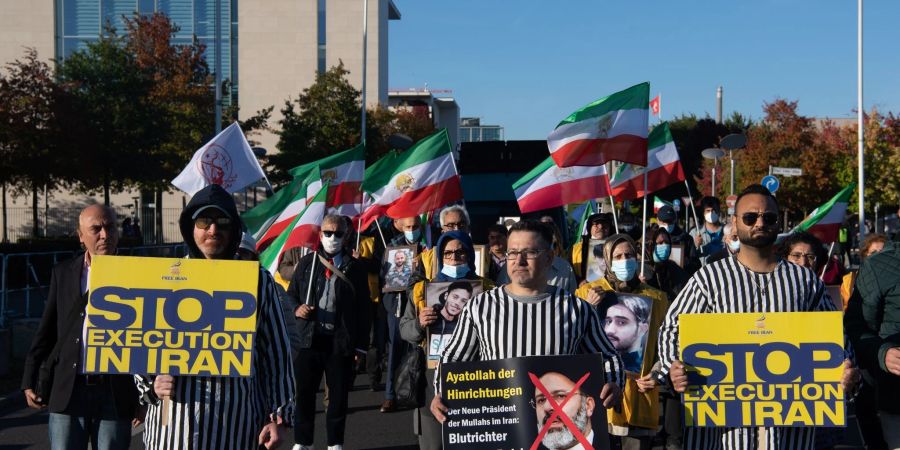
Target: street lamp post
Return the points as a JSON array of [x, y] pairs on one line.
[[732, 142], [714, 154]]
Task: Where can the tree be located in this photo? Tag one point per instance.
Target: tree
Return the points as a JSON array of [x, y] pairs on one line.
[[119, 127], [325, 119], [31, 108]]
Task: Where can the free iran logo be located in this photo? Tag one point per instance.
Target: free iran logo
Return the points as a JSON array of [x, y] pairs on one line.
[[216, 166]]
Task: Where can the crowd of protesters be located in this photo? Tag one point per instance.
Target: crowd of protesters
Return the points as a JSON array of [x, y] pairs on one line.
[[345, 309]]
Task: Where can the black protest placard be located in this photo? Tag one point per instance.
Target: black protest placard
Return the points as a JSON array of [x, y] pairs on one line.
[[538, 402]]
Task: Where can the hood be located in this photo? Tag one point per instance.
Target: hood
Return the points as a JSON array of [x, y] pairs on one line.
[[213, 195], [467, 244]]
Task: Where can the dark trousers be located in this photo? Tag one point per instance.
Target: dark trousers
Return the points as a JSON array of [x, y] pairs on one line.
[[375, 357], [309, 366], [396, 346]]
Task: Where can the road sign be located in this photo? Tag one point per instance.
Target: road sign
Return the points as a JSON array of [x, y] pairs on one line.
[[731, 200], [771, 183], [787, 171]]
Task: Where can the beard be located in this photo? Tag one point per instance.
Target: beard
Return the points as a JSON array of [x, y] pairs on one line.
[[563, 439], [763, 239]]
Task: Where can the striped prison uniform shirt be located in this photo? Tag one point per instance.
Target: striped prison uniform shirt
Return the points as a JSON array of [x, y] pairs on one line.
[[726, 286], [229, 412], [494, 325]]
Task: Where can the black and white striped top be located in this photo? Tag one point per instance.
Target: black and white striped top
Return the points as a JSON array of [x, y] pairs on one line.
[[228, 413], [726, 286], [494, 325]]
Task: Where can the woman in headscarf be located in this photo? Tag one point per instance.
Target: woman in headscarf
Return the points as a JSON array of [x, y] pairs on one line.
[[630, 308], [667, 275], [455, 264]]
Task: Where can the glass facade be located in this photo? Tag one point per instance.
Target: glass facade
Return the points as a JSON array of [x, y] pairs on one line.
[[480, 133], [81, 21]]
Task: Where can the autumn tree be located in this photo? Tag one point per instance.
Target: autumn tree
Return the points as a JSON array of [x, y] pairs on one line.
[[31, 108]]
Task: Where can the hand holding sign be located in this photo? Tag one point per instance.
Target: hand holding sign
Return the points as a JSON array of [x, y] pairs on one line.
[[304, 311], [678, 376], [892, 360]]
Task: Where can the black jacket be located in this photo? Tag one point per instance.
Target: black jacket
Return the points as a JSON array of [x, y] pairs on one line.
[[352, 303], [65, 294]]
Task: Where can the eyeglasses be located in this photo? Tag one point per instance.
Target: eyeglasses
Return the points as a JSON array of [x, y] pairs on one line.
[[204, 223], [458, 254], [750, 218], [528, 254], [558, 397], [454, 226], [797, 255], [337, 234]]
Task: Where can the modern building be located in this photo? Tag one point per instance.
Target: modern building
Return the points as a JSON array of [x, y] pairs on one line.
[[443, 109], [471, 130], [272, 50]]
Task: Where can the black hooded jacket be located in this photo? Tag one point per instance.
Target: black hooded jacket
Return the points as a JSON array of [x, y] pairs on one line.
[[210, 195]]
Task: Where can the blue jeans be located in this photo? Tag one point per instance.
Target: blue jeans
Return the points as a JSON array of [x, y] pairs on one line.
[[93, 420]]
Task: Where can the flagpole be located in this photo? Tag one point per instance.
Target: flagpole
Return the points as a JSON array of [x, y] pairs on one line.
[[859, 118], [659, 115], [312, 273], [364, 49], [691, 206], [827, 260], [383, 241], [358, 231], [644, 227], [612, 202]]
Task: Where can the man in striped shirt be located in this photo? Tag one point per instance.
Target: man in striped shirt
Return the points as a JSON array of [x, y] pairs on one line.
[[754, 280], [529, 318], [221, 412]]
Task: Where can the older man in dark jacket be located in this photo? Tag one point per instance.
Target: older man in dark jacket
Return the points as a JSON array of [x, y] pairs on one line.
[[329, 294], [872, 321]]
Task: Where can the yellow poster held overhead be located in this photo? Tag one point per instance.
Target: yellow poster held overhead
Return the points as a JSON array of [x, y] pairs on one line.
[[763, 369], [170, 316]]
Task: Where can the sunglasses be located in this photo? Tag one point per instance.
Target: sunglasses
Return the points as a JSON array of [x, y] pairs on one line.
[[204, 223], [337, 234], [750, 218]]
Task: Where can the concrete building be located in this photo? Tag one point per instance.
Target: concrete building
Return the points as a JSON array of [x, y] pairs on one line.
[[282, 45], [471, 130], [443, 110]]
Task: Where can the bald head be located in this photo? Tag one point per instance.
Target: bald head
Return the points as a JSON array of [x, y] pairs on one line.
[[97, 230]]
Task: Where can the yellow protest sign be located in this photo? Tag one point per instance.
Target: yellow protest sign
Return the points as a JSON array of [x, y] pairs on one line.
[[763, 369], [171, 316]]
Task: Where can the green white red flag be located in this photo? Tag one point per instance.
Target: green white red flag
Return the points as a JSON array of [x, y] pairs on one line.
[[825, 221], [344, 171], [422, 178], [279, 215], [612, 128], [303, 231], [659, 203], [663, 167], [549, 186]]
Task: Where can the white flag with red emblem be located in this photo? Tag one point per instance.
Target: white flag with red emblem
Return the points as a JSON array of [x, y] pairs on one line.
[[226, 160]]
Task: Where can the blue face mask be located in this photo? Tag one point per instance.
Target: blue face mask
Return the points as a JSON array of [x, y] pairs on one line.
[[455, 271], [624, 268], [734, 245], [662, 252], [413, 236]]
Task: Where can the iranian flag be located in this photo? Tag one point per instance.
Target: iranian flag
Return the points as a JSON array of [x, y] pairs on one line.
[[422, 178], [344, 171], [549, 186], [261, 217], [303, 231], [825, 221], [612, 128], [663, 167], [302, 190], [659, 203]]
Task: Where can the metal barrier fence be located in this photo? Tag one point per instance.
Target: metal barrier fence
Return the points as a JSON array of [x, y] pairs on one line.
[[56, 222], [25, 277]]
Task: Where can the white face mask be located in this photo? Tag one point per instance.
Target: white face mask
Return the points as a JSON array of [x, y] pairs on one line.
[[711, 217], [331, 245]]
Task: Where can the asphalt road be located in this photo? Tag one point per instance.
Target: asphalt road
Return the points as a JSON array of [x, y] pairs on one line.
[[367, 428]]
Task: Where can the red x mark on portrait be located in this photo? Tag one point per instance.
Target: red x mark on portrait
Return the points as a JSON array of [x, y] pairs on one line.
[[559, 413]]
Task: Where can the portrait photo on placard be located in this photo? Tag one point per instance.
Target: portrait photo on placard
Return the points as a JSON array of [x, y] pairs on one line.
[[626, 321], [448, 299], [398, 267], [596, 264]]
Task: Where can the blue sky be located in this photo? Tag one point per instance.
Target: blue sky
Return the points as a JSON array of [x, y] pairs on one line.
[[525, 65]]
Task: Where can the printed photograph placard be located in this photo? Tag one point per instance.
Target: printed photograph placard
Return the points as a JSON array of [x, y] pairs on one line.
[[448, 299], [596, 264], [397, 267], [546, 402], [627, 323]]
